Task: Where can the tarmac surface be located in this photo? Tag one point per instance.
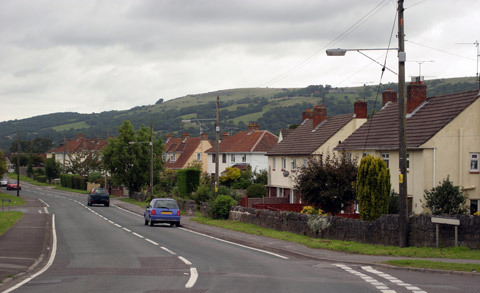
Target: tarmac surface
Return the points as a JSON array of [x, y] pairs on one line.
[[24, 248]]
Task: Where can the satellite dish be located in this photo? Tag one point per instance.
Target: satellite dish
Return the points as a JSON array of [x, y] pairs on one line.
[[285, 173]]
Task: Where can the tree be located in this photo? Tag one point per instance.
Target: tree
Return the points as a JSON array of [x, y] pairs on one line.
[[328, 181], [52, 169], [129, 163], [30, 164], [231, 174], [83, 162], [373, 188], [3, 165], [445, 199]]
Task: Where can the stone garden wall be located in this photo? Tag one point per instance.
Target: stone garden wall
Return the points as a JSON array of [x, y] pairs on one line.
[[384, 230]]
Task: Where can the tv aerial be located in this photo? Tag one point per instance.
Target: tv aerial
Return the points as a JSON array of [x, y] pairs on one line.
[[476, 44]]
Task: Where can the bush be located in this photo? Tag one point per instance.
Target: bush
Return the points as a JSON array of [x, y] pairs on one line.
[[221, 206], [94, 176], [204, 194], [79, 182], [241, 183], [445, 199], [40, 178], [66, 180], [256, 190], [187, 181]]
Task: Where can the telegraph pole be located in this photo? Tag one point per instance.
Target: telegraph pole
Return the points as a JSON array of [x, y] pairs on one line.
[[18, 163], [151, 159], [402, 178], [217, 146]]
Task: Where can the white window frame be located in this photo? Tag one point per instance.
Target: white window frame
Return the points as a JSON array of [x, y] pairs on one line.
[[407, 162], [244, 158], [232, 158], [294, 164], [224, 158], [284, 163], [172, 157], [199, 157], [474, 162], [274, 163], [386, 159]]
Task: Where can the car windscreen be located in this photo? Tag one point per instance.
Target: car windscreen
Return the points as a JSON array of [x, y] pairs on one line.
[[169, 204]]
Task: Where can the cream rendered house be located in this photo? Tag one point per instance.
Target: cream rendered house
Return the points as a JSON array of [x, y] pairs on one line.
[[443, 140], [181, 152], [318, 134]]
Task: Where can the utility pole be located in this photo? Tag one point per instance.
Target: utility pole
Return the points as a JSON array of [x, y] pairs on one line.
[[18, 163], [151, 159], [106, 188], [64, 153], [217, 146], [402, 178]]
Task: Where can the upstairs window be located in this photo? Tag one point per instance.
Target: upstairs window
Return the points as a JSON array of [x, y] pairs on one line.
[[244, 158], [172, 157], [474, 157], [386, 158], [199, 157], [224, 158], [284, 163], [232, 158], [274, 163], [294, 164], [407, 162], [214, 156]]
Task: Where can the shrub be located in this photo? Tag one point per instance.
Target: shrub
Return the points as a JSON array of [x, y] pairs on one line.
[[445, 199], [221, 206], [256, 190], [94, 176], [204, 194], [187, 181], [79, 182]]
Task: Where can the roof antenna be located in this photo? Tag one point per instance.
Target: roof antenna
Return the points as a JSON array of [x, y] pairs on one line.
[[478, 55], [420, 62]]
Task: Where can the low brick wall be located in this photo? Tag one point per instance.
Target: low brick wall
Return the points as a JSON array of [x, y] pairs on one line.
[[383, 231]]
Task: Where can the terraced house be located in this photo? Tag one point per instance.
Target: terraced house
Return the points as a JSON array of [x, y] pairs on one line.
[[183, 151], [317, 134], [443, 140]]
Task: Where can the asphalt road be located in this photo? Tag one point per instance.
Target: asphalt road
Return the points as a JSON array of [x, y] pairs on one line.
[[108, 249]]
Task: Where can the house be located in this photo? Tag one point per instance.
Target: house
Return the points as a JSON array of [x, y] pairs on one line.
[[183, 151], [77, 149], [244, 148], [318, 134], [442, 140]]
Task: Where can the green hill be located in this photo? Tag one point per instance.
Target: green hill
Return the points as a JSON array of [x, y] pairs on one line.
[[272, 108]]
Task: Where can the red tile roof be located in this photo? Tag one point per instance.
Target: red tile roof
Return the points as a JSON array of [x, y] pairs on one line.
[[185, 146], [80, 144], [304, 141], [381, 132], [247, 142]]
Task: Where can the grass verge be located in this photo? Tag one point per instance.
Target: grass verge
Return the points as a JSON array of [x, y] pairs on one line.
[[14, 200], [437, 265], [26, 179], [345, 246], [141, 204], [8, 219], [58, 187]]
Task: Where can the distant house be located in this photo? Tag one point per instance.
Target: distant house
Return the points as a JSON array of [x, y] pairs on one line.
[[77, 149], [442, 137], [185, 150], [318, 134], [244, 148]]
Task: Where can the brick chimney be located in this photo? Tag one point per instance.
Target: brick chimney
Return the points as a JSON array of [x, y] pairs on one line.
[[168, 136], [360, 109], [225, 135], [204, 136], [185, 135], [252, 126], [389, 96], [416, 94], [319, 114], [307, 114]]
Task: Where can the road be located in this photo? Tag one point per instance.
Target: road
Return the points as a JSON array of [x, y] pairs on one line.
[[108, 249]]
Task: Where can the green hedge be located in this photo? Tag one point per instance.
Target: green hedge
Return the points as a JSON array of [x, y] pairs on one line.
[[40, 178], [188, 181], [73, 181]]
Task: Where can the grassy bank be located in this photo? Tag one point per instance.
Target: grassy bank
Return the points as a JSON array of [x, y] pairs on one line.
[[346, 246], [13, 200], [437, 265], [8, 219]]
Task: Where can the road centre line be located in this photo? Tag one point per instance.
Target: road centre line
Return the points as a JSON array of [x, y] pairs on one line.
[[151, 241], [185, 260], [126, 229], [138, 235], [193, 278], [237, 244], [118, 225], [168, 250], [130, 212]]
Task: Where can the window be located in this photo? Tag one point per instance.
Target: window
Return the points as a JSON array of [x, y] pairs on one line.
[[199, 157], [244, 158], [274, 163], [214, 158], [474, 162], [224, 158], [172, 157], [164, 157], [386, 158], [232, 158], [474, 206], [284, 163], [407, 162], [304, 162], [294, 164]]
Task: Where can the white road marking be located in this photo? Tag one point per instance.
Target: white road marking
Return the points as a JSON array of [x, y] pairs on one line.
[[47, 266], [44, 203], [118, 225], [45, 209], [168, 250], [151, 241], [127, 229], [130, 212], [379, 285], [237, 244], [138, 235], [185, 260], [193, 278], [393, 279]]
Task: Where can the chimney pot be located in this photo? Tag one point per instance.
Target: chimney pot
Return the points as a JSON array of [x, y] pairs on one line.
[[252, 126], [389, 96]]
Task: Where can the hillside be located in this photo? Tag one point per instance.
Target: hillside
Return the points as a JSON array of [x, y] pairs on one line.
[[272, 108]]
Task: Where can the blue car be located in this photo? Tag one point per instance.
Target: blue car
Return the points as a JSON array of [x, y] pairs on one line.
[[162, 210]]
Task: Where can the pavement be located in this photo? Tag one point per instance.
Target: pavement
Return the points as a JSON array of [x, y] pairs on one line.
[[24, 248]]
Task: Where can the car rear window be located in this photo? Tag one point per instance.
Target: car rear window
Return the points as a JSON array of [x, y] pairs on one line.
[[166, 204]]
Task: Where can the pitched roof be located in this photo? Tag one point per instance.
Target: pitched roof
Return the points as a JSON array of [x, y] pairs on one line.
[[381, 132], [185, 146], [304, 140], [80, 144], [247, 142]]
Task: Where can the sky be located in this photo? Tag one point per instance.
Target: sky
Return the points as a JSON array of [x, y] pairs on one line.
[[90, 56]]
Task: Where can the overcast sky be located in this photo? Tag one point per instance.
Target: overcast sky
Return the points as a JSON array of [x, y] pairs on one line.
[[97, 55]]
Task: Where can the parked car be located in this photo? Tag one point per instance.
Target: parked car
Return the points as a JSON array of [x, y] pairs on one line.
[[162, 210], [13, 185], [98, 196], [3, 182]]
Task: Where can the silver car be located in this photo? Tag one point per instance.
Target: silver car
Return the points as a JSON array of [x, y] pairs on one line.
[[3, 182]]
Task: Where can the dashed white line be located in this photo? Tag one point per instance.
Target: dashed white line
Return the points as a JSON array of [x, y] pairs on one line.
[[237, 244], [138, 235], [193, 278], [118, 225], [168, 250], [151, 241], [126, 229], [130, 212], [185, 260]]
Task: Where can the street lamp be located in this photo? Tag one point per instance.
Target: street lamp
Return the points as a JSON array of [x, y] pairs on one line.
[[151, 156], [402, 178], [217, 138]]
